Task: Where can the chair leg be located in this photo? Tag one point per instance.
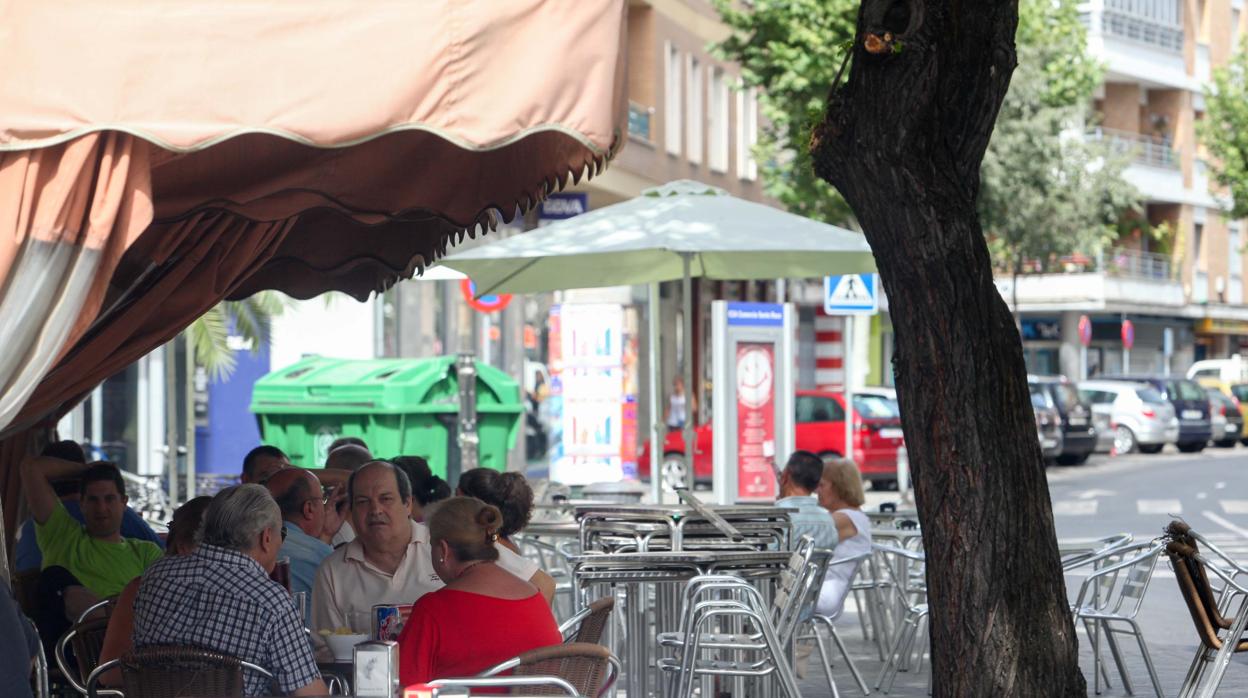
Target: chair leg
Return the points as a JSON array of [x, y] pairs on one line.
[[1192, 678], [840, 645], [827, 661], [1148, 659], [1099, 670], [892, 657], [1117, 655]]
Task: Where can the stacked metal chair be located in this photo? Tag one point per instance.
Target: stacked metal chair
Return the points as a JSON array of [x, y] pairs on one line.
[[905, 570], [1221, 632], [1108, 602], [727, 615], [161, 671]]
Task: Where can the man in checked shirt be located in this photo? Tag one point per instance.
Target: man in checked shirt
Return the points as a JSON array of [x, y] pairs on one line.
[[220, 597]]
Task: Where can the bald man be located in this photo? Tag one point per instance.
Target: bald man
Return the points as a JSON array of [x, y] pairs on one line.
[[298, 495]]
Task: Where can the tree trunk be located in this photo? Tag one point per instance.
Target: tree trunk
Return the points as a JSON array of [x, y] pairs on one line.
[[903, 140]]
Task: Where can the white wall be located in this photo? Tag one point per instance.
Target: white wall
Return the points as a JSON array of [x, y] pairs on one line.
[[333, 325]]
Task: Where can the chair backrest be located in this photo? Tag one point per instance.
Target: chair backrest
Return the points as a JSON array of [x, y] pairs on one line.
[[1194, 584], [1122, 582], [592, 626], [902, 571], [87, 641], [589, 668], [791, 576], [167, 671]]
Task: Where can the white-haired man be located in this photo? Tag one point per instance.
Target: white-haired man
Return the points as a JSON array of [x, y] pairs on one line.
[[221, 598]]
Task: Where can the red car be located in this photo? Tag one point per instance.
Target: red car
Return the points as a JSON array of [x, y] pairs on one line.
[[820, 430]]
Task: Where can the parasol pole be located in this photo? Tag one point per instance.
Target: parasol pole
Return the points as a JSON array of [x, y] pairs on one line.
[[690, 391], [656, 415]]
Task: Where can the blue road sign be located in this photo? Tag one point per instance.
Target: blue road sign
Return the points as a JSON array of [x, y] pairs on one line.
[[851, 294]]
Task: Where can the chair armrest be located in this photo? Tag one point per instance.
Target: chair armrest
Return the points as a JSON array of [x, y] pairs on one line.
[[507, 682], [92, 689]]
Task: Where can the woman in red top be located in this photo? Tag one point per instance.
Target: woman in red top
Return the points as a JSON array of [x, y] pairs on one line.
[[484, 615]]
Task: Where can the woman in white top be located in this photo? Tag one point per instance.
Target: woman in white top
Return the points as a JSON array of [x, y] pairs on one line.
[[840, 492]]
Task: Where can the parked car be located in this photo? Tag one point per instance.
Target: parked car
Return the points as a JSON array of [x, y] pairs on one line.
[[1139, 415], [1048, 423], [1228, 422], [820, 416], [1239, 391], [1078, 432], [1191, 405]]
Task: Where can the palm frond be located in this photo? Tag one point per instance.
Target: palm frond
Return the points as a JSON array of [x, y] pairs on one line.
[[251, 319]]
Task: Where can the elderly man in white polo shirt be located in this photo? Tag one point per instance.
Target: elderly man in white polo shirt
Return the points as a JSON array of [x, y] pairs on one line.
[[390, 561]]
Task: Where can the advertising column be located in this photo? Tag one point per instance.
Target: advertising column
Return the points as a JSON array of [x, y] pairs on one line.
[[752, 420], [590, 382]]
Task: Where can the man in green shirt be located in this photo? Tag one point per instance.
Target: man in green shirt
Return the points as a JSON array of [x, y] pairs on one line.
[[82, 563]]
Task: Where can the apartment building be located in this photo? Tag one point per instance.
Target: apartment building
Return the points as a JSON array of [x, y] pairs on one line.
[[1183, 294]]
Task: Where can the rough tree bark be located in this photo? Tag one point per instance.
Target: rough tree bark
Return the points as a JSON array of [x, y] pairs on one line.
[[902, 140]]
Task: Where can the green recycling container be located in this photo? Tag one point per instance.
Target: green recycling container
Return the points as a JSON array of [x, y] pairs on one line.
[[400, 407]]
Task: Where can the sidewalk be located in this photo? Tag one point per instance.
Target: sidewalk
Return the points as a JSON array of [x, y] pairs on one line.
[[1167, 630]]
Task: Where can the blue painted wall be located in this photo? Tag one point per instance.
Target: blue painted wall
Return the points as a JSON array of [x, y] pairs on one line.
[[231, 430]]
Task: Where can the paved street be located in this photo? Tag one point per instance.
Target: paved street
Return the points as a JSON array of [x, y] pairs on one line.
[[1135, 494]]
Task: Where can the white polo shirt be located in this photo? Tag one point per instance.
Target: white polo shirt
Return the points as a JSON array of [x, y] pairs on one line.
[[347, 586]]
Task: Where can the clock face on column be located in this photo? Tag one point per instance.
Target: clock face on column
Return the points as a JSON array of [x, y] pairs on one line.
[[754, 377]]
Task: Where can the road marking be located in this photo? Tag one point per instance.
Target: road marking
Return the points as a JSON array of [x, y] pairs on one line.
[[1158, 506], [1202, 495], [1093, 494], [1219, 486], [1075, 507], [1225, 524], [1235, 506]]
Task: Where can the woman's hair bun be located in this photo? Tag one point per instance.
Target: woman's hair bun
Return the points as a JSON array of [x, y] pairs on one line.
[[489, 518]]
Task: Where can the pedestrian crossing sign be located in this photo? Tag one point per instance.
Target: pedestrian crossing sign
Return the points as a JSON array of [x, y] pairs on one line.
[[851, 294]]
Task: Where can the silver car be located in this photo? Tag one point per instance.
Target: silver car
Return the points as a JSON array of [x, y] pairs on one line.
[[1140, 417]]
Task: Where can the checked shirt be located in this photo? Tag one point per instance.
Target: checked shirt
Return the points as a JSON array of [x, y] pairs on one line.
[[222, 600]]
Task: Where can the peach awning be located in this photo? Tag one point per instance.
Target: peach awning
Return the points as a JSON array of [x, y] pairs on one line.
[[157, 156]]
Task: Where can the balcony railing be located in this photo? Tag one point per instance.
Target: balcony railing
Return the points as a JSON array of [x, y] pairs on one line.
[[1157, 23], [1135, 264], [639, 119], [1146, 150]]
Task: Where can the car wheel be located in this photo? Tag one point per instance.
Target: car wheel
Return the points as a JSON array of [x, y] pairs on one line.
[[675, 474], [1192, 447], [1124, 440], [1225, 444], [1073, 459], [1151, 448]]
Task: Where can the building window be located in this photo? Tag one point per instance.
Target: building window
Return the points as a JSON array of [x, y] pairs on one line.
[[672, 125], [718, 119], [693, 124], [747, 132], [1235, 30]]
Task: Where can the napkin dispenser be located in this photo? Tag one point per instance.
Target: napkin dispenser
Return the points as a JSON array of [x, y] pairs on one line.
[[376, 669]]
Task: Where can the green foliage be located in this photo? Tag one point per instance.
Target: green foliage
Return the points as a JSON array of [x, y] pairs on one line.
[[1224, 130], [251, 320], [791, 50], [1044, 190]]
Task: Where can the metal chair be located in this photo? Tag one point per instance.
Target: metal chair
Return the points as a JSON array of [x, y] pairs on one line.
[[86, 637], [1108, 602], [169, 671], [732, 599], [575, 668], [589, 624], [827, 622], [1077, 552], [1220, 635], [868, 589], [42, 684], [901, 566]]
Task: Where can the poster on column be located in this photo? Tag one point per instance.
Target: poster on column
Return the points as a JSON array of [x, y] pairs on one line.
[[592, 390], [756, 428]]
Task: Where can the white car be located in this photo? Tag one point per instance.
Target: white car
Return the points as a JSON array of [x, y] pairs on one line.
[[1139, 416]]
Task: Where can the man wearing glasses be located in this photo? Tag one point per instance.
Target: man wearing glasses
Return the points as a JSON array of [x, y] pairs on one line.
[[299, 496]]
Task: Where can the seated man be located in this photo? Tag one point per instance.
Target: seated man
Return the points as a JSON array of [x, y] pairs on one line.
[[298, 495], [27, 555], [261, 462], [82, 564], [390, 562], [345, 456], [798, 483], [220, 597]]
